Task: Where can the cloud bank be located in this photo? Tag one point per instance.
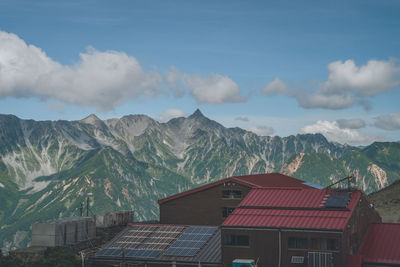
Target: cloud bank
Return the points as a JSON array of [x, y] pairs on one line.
[[351, 123], [104, 80], [100, 79], [333, 132], [346, 85], [211, 89]]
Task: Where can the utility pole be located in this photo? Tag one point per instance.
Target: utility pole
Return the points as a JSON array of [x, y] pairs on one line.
[[83, 258], [87, 207], [81, 208]]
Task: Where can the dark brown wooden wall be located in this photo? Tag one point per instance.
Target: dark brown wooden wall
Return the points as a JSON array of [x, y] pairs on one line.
[[358, 225], [287, 253], [264, 246], [200, 208]]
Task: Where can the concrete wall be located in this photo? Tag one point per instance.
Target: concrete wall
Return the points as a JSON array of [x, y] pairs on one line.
[[63, 232], [114, 218]]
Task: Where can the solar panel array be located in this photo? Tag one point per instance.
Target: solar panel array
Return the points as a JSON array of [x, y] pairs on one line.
[[150, 241], [338, 200], [142, 241], [190, 242]]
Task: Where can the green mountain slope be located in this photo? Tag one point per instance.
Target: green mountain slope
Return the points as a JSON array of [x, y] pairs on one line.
[[374, 166], [47, 167]]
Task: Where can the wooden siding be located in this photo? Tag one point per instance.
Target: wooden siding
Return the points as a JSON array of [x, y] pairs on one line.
[[200, 208], [364, 214], [263, 245]]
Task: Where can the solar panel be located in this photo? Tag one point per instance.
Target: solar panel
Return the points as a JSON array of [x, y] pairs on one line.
[[114, 252], [338, 200], [190, 242], [142, 253]]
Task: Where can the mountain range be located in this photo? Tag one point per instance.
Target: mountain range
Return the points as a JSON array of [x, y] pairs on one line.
[[47, 168]]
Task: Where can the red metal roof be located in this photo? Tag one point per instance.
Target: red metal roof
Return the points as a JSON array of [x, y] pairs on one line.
[[285, 197], [297, 219], [382, 244], [299, 210], [251, 181]]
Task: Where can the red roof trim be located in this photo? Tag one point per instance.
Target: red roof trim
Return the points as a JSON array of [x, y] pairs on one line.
[[204, 187], [246, 180]]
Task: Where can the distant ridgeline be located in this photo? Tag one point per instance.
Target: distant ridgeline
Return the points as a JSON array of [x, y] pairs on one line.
[[47, 168]]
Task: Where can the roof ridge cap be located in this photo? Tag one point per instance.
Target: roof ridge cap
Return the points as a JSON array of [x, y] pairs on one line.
[[237, 178]]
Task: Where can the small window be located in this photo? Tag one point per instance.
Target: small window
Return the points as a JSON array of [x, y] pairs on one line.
[[227, 211], [232, 194], [299, 243], [325, 244], [236, 240]]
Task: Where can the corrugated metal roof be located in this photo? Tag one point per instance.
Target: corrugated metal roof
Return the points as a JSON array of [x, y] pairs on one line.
[[296, 219], [251, 181], [286, 208], [285, 197], [382, 244]]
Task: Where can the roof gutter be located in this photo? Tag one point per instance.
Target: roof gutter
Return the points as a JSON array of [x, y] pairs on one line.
[[260, 228]]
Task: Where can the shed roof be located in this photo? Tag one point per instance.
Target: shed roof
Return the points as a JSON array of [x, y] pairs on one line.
[[382, 244], [251, 181], [291, 208]]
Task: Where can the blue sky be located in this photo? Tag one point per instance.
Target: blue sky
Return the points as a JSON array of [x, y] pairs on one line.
[[273, 67]]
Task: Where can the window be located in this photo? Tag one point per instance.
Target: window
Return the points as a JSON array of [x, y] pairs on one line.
[[299, 243], [236, 240], [325, 243], [320, 259], [235, 194], [227, 211]]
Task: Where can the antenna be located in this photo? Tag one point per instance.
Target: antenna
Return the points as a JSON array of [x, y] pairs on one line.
[[348, 179]]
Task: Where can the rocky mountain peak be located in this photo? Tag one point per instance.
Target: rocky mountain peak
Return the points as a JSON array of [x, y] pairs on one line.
[[91, 119], [197, 114]]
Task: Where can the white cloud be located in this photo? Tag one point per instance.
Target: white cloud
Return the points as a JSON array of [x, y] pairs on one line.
[[262, 130], [333, 132], [351, 123], [389, 122], [346, 85], [104, 80], [321, 100], [373, 78], [240, 118], [100, 79], [212, 89], [172, 79], [171, 113], [276, 87]]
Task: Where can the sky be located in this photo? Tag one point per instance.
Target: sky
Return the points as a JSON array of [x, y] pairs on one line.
[[271, 67]]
